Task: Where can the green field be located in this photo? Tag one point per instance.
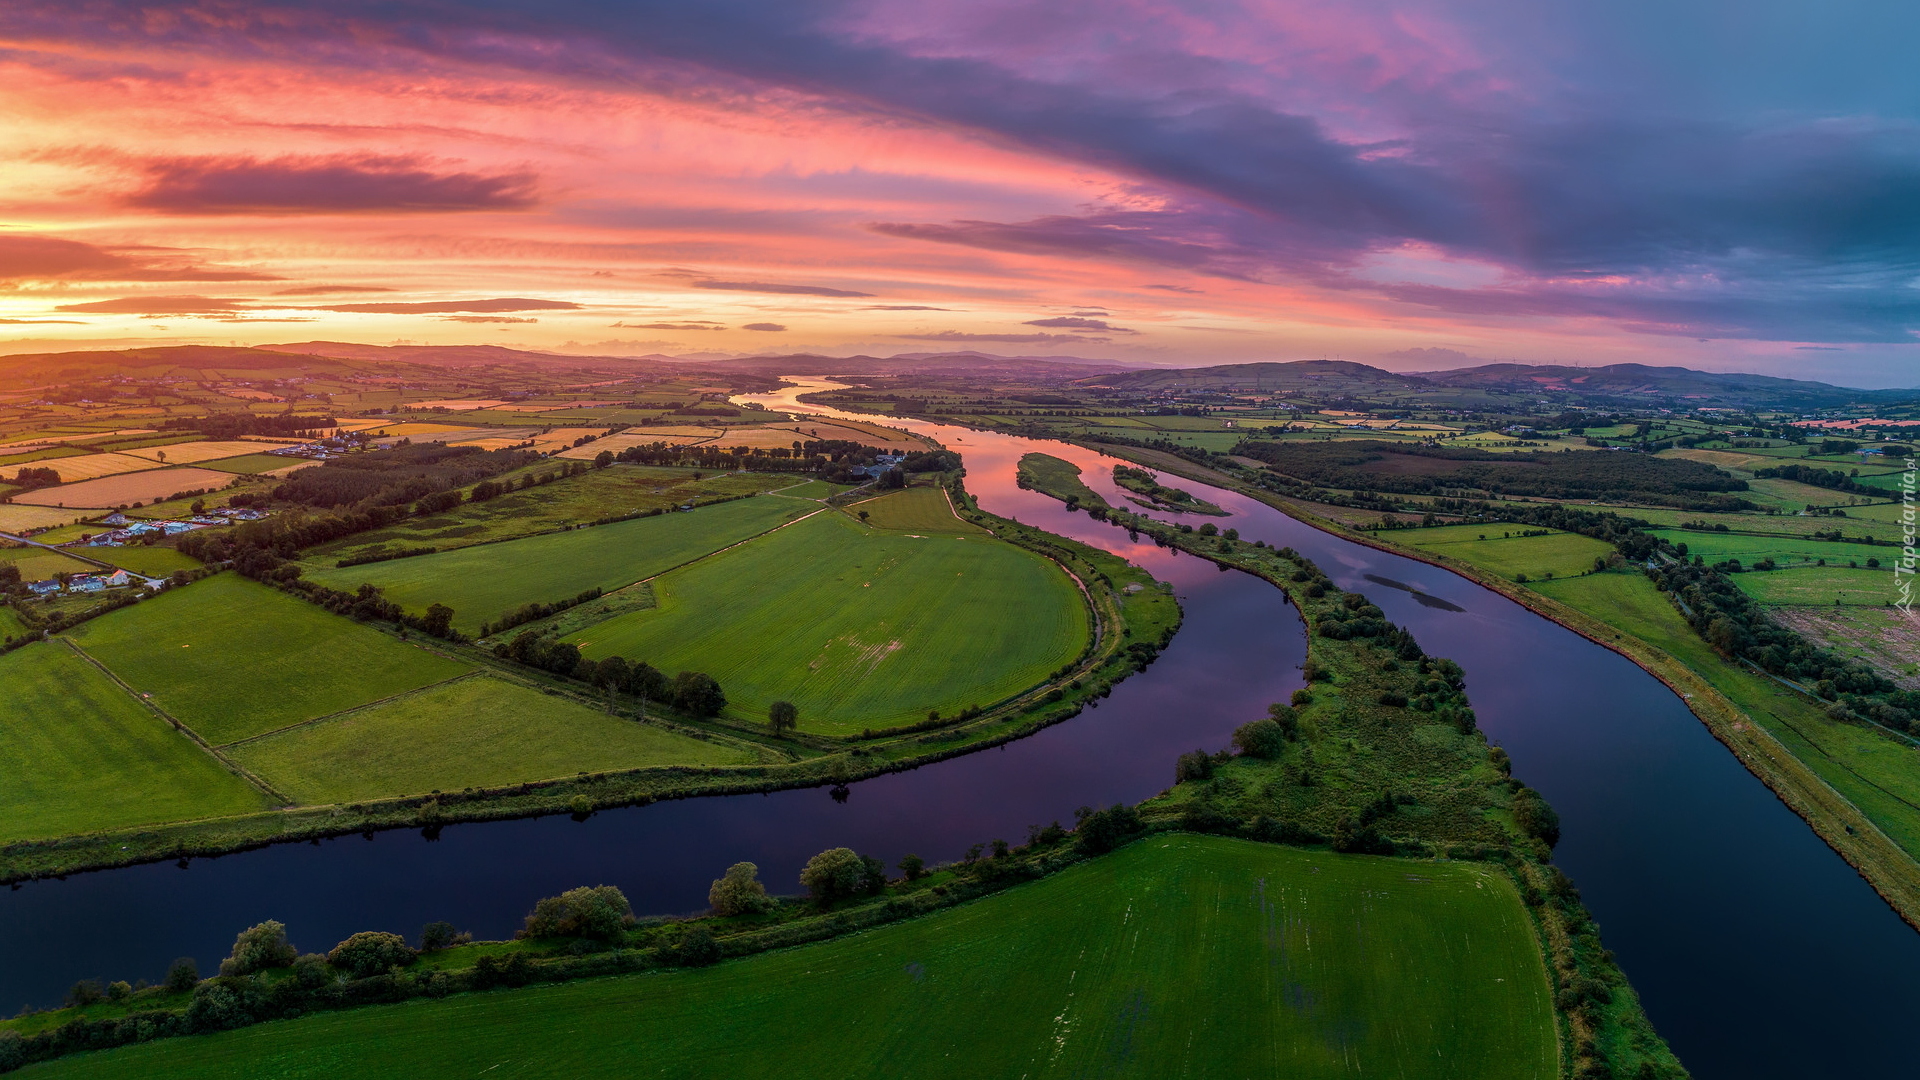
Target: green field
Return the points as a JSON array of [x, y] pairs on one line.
[[1806, 585], [251, 464], [232, 658], [1875, 773], [812, 489], [1558, 554], [151, 561], [1059, 478], [79, 755], [477, 732], [858, 627], [1785, 550], [483, 582], [922, 510], [1180, 956], [10, 624], [39, 564]]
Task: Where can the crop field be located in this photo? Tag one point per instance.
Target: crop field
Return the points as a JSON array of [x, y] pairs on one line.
[[483, 582], [39, 564], [1879, 637], [858, 627], [1178, 957], [916, 510], [17, 518], [91, 466], [602, 493], [142, 559], [1555, 555], [1873, 771], [1793, 495], [252, 464], [1826, 585], [142, 487], [474, 732], [80, 755], [195, 452], [232, 658]]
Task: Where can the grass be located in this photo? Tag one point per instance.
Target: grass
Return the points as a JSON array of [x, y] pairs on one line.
[[483, 582], [1874, 772], [251, 464], [601, 493], [1558, 554], [80, 755], [1749, 549], [232, 658], [923, 510], [1827, 585], [858, 627], [1059, 478], [141, 559], [10, 624], [476, 732], [1180, 956], [39, 564]]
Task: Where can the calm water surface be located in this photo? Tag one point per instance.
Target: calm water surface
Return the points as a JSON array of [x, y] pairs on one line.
[[1758, 952]]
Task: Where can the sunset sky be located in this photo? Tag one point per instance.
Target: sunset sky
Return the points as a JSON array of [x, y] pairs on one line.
[[1417, 185]]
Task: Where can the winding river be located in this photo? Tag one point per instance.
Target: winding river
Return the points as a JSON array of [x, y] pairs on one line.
[[1758, 952]]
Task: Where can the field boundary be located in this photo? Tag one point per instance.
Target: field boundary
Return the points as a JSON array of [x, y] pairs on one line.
[[156, 711], [1844, 827], [338, 713]]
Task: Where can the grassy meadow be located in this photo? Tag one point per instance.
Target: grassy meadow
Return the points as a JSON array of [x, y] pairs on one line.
[[1500, 549], [232, 658], [80, 755], [873, 628], [915, 510], [483, 582], [1750, 549], [1180, 956], [1828, 585], [1059, 478], [476, 732], [151, 561]]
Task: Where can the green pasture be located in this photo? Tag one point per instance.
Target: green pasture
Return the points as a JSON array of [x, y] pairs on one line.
[[1876, 521], [858, 627], [39, 564], [1876, 773], [812, 489], [475, 732], [1505, 552], [1716, 546], [1822, 585], [151, 561], [1181, 956], [251, 464], [1793, 495], [600, 493], [232, 658], [1059, 478], [922, 510], [79, 755], [483, 582], [10, 624]]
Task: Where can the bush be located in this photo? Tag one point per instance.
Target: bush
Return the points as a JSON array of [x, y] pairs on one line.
[[310, 971], [1103, 830], [182, 975], [1192, 765], [1263, 739], [739, 892], [841, 873], [693, 947], [86, 992], [912, 867], [1535, 817], [441, 935], [370, 952], [259, 948], [601, 913], [697, 693]]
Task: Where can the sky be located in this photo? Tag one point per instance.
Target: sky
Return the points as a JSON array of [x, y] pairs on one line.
[[1418, 185]]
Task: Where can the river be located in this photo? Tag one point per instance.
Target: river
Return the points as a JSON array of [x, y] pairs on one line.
[[1757, 951]]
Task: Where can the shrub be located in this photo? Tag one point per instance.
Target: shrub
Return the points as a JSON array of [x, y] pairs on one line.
[[441, 935], [601, 913], [739, 892], [693, 947], [697, 693], [370, 952], [912, 867], [1103, 830], [182, 975], [310, 971], [1535, 817], [1261, 739], [1192, 765], [840, 873], [86, 992], [1302, 696], [259, 948]]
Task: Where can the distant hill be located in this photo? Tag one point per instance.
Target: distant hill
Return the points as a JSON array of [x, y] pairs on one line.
[[1641, 382], [948, 363], [456, 356], [1323, 376], [176, 361]]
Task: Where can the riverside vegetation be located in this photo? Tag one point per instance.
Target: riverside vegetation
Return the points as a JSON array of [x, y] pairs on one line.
[[1374, 778]]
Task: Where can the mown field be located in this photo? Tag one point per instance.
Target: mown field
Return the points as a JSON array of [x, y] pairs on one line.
[[1749, 549], [483, 582], [151, 561], [78, 754], [859, 627], [1499, 548], [251, 464], [1180, 956], [1876, 773], [916, 510], [477, 732], [232, 658], [1828, 585], [602, 493]]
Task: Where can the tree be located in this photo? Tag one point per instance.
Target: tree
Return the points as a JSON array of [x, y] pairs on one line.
[[1193, 765], [438, 620], [182, 975], [645, 681], [696, 692], [912, 867], [1260, 739], [782, 717], [259, 948], [370, 952], [1103, 830], [603, 459], [739, 892], [840, 873], [600, 912], [441, 935], [1535, 817]]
